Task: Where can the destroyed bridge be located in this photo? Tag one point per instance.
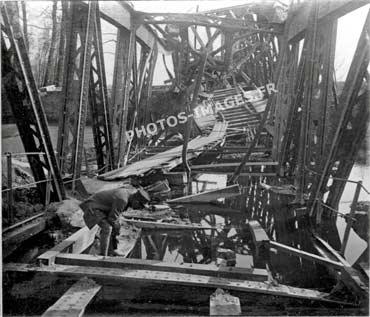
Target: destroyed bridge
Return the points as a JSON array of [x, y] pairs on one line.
[[251, 95]]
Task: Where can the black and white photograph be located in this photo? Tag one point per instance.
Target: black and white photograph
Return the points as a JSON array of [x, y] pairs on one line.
[[185, 158]]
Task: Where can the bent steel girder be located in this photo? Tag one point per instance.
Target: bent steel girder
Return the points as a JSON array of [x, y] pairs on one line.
[[22, 94]]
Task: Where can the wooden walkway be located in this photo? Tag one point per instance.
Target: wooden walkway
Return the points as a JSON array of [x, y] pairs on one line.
[[75, 300]]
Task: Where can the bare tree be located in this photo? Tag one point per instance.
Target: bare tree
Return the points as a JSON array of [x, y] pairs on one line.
[[25, 30], [62, 41], [50, 71]]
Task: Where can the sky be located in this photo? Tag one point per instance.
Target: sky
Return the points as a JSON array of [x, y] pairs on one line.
[[349, 28]]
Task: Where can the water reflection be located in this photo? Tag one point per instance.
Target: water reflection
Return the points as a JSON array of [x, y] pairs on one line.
[[283, 222]]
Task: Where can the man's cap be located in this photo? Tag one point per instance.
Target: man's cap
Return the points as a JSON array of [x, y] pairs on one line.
[[142, 195]]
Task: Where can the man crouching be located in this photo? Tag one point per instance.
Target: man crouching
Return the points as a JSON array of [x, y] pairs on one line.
[[104, 208]]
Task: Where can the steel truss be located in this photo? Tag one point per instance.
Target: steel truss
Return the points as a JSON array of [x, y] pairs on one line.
[[84, 83], [22, 94]]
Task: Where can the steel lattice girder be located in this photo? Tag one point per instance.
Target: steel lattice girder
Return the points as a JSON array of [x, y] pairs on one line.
[[99, 103], [84, 82], [22, 94], [347, 102]]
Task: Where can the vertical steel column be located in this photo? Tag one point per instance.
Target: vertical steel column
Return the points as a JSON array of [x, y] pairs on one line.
[[99, 103], [84, 94], [284, 100], [352, 86], [21, 90], [351, 215], [10, 187], [119, 75], [189, 110], [129, 57], [147, 97], [306, 106]]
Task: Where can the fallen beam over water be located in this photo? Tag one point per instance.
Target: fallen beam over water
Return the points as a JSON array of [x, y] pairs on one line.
[[110, 275], [227, 192], [251, 274], [75, 300]]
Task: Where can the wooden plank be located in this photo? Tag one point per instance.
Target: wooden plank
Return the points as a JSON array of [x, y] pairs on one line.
[[169, 226], [76, 243], [208, 208], [75, 300], [223, 165], [223, 304], [251, 274], [105, 275], [208, 196], [12, 239], [252, 174], [305, 255]]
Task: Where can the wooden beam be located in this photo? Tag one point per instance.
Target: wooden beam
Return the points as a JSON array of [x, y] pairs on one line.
[[13, 238], [227, 192], [249, 174], [119, 276], [223, 165], [208, 208], [75, 300], [251, 274], [76, 243]]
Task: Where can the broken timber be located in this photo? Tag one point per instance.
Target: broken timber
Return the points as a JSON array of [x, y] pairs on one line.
[[13, 238], [105, 275], [76, 243], [75, 300], [169, 159], [227, 192], [251, 274]]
